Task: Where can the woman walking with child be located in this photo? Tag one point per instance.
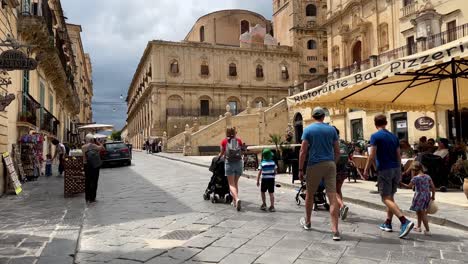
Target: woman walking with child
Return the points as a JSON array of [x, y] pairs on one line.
[[231, 150], [422, 197]]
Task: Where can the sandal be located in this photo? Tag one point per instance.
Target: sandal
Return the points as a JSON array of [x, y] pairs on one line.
[[417, 229]]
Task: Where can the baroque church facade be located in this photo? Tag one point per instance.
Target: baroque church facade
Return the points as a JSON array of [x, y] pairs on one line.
[[230, 60]]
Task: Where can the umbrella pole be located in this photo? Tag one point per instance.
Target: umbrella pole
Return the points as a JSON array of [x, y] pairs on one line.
[[456, 111]]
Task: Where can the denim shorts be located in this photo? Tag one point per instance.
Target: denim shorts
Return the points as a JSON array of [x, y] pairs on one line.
[[234, 168]]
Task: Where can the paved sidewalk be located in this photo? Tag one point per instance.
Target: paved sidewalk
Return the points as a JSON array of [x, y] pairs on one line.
[[453, 206], [40, 225]]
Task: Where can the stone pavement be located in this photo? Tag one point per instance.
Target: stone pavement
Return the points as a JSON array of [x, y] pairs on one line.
[[453, 205], [153, 212], [40, 225]]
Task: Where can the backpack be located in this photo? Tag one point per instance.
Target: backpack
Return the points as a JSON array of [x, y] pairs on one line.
[[233, 150], [93, 158]]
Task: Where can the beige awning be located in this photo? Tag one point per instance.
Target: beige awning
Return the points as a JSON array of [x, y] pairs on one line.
[[420, 82]]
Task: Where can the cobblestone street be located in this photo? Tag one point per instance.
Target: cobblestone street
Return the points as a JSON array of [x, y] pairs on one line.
[[153, 212]]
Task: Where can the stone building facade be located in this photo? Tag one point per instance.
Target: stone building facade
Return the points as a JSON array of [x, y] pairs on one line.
[[177, 83], [48, 100], [364, 34]]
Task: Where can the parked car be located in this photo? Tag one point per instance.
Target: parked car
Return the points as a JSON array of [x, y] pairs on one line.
[[116, 152]]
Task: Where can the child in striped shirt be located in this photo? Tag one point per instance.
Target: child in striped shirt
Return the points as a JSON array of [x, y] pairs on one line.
[[267, 170]]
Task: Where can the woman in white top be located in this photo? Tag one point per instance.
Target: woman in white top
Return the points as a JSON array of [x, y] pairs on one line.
[[442, 150]]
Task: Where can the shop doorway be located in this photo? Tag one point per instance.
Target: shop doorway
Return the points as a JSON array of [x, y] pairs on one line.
[[464, 124], [298, 127], [357, 130], [400, 125]]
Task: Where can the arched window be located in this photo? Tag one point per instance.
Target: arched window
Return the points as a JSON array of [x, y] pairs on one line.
[[232, 70], [245, 26], [204, 69], [311, 10], [174, 67], [284, 72], [259, 71], [313, 70], [311, 44], [202, 34]]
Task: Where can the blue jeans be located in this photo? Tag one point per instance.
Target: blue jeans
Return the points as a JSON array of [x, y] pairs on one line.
[[48, 170]]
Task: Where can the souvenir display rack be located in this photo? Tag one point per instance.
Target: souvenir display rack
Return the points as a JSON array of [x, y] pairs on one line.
[[74, 178], [31, 155]]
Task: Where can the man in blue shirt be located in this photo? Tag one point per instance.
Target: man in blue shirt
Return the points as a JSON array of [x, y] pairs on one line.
[[321, 142], [385, 147]]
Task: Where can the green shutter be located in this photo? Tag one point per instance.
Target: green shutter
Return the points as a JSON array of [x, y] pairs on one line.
[[26, 82], [51, 104]]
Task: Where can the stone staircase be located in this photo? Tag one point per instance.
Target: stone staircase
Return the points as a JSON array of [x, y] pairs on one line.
[[253, 125]]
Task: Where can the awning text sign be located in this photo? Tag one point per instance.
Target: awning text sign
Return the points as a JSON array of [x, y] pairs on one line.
[[379, 72]]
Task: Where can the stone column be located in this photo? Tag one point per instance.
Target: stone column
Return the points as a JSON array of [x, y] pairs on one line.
[[187, 141], [196, 125], [164, 141], [261, 127]]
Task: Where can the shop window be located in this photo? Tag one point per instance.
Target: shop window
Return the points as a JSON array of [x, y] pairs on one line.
[[232, 70], [175, 67], [311, 44], [204, 69], [202, 34], [313, 70], [410, 45], [357, 129], [400, 125], [245, 26], [259, 71], [284, 72], [204, 107], [311, 10]]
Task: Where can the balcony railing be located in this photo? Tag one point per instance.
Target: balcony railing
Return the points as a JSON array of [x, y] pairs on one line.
[[28, 109], [403, 51], [409, 9], [181, 112], [38, 9], [49, 122]]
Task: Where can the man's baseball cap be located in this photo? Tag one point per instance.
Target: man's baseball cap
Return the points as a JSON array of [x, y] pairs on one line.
[[318, 112]]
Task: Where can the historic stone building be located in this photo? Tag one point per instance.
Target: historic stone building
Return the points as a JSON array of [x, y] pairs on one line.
[[366, 33], [228, 58], [54, 97]]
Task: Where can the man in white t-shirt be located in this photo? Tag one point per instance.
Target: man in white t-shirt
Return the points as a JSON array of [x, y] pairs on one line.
[[59, 154]]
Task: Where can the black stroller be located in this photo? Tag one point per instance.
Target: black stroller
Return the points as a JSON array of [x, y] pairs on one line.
[[320, 198], [218, 188]]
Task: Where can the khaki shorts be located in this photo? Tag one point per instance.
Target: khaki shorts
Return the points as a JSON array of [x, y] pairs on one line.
[[323, 170]]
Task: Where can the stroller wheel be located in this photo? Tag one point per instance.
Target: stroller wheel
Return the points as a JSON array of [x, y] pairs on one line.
[[206, 197], [298, 201], [212, 198], [327, 206]]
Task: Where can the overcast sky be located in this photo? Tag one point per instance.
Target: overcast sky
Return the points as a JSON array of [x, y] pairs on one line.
[[115, 33]]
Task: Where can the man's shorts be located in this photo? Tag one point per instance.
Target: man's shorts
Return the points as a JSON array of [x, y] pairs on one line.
[[234, 168], [388, 181], [268, 184], [324, 170]]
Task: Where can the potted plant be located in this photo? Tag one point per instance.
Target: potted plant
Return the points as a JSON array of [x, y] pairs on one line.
[[276, 140]]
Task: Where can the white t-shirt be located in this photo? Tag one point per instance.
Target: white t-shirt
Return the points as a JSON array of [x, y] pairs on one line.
[[60, 149], [442, 153]]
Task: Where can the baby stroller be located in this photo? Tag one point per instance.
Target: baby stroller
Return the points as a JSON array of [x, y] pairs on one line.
[[218, 187], [320, 197]]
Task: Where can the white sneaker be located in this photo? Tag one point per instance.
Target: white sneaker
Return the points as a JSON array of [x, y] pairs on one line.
[[336, 236]]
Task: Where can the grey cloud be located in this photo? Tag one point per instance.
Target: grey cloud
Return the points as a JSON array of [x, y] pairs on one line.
[[115, 33]]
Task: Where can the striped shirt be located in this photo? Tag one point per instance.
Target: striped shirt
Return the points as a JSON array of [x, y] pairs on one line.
[[268, 168]]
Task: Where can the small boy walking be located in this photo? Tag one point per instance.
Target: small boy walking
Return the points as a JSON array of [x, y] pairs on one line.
[[267, 170], [424, 193], [48, 165]]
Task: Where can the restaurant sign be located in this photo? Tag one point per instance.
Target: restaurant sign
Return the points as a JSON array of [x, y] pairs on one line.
[[11, 60], [424, 123]]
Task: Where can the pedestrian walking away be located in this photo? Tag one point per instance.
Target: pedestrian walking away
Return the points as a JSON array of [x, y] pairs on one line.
[[424, 193], [267, 172], [231, 150], [92, 163], [385, 149], [341, 175], [320, 140], [60, 155]]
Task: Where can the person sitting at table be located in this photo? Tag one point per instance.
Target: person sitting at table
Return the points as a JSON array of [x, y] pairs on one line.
[[407, 151], [442, 150], [357, 150]]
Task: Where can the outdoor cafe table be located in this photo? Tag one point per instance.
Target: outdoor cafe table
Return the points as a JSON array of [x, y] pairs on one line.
[[360, 162]]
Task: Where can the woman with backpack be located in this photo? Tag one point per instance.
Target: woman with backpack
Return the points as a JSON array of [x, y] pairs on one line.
[[231, 150], [92, 164]]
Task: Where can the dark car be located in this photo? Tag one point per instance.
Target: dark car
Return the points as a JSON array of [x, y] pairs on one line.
[[116, 152]]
